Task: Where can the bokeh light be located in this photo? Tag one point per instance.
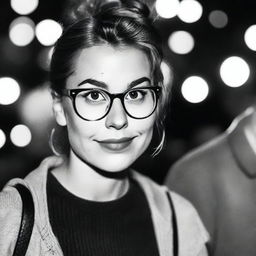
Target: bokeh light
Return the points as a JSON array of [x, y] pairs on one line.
[[250, 37], [234, 71], [2, 138], [24, 7], [218, 19], [181, 42], [195, 89], [167, 8], [190, 11], [9, 90], [20, 135], [36, 108], [22, 31], [48, 32]]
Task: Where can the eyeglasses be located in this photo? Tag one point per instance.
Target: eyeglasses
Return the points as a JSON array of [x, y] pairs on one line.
[[93, 104]]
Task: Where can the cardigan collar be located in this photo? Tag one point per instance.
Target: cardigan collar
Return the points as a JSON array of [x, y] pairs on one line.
[[239, 142]]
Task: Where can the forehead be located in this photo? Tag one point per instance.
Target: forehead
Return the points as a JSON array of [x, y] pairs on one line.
[[110, 65]]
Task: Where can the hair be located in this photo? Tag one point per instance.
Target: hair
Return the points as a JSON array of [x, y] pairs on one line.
[[117, 23]]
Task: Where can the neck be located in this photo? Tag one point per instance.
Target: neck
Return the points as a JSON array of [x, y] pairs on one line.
[[83, 181]]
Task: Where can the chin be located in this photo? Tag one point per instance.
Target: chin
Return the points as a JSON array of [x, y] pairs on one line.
[[116, 163]]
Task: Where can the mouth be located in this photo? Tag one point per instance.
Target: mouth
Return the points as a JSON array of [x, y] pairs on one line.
[[116, 145]]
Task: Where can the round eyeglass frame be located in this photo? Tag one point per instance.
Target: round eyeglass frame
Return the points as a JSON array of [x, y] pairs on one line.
[[72, 93]]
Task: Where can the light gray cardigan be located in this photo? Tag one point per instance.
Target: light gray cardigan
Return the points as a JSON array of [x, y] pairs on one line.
[[192, 234]]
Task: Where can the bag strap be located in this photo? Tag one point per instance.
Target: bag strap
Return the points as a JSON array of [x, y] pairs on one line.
[[174, 226], [27, 221]]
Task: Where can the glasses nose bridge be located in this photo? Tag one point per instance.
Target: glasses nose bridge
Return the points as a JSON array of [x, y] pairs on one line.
[[116, 116], [114, 96], [117, 95]]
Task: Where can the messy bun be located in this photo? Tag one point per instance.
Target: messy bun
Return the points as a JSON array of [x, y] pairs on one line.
[[124, 23], [78, 10]]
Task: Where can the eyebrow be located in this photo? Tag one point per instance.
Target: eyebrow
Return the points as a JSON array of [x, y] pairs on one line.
[[105, 86]]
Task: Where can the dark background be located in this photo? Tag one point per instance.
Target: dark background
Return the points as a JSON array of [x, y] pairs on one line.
[[188, 125]]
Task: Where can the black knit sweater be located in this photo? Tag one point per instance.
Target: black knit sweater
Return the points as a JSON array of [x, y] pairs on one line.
[[122, 227]]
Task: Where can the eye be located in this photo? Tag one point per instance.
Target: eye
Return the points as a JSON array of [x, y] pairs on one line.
[[136, 94], [94, 96]]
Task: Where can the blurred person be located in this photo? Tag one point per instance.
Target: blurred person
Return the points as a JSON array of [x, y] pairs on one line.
[[108, 100], [219, 179]]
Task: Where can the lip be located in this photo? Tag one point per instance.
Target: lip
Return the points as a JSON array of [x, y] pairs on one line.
[[121, 140], [116, 144]]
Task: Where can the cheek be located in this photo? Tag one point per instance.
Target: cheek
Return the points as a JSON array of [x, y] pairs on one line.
[[146, 139], [147, 124], [145, 128], [79, 128]]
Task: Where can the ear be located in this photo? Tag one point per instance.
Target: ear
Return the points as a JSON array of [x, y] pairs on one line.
[[59, 112]]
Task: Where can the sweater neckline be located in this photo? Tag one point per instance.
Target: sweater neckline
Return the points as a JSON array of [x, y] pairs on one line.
[[121, 203]]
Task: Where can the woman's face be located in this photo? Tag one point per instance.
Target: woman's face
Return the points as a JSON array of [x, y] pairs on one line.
[[114, 142]]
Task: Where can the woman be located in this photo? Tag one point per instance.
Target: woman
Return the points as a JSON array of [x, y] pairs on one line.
[[108, 96]]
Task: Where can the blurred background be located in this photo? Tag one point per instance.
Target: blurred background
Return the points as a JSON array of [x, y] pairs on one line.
[[209, 48]]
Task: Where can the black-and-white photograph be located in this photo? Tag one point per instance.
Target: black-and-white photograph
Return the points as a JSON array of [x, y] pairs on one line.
[[127, 128]]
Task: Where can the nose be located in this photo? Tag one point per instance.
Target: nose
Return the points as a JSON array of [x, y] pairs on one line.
[[116, 117]]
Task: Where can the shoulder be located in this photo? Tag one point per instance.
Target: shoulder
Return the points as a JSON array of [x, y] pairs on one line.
[[200, 163], [187, 216], [191, 231], [207, 153], [9, 197], [10, 216], [183, 207], [199, 175], [10, 202]]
